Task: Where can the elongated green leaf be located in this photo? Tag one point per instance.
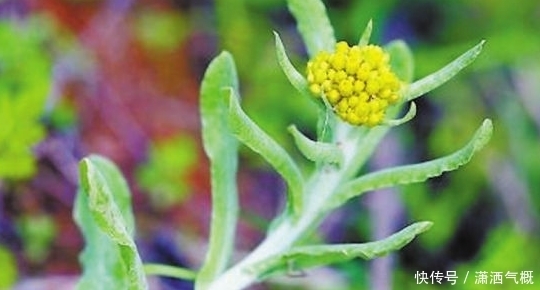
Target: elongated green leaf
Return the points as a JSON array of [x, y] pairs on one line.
[[401, 60], [313, 24], [441, 76], [222, 149], [300, 83], [316, 151], [295, 78], [103, 213], [366, 35], [413, 173], [255, 138], [300, 258]]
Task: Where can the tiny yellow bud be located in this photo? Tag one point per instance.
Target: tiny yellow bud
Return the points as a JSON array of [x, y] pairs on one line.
[[362, 109], [345, 88], [372, 86], [340, 75], [374, 119], [363, 72], [320, 76], [353, 101], [359, 86], [338, 61], [364, 97], [353, 119], [342, 47], [331, 74], [351, 67], [326, 85], [342, 106], [386, 93], [333, 97], [315, 89]]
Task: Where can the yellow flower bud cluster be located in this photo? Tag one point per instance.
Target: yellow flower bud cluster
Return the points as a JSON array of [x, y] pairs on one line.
[[357, 81]]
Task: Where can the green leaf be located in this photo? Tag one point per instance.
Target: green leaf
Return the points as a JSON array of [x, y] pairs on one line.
[[413, 173], [326, 117], [295, 78], [316, 151], [222, 149], [255, 138], [401, 60], [103, 213], [305, 257], [434, 80], [313, 24], [366, 35]]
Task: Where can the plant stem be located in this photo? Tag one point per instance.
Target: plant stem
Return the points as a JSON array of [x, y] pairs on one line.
[[282, 238], [169, 271]]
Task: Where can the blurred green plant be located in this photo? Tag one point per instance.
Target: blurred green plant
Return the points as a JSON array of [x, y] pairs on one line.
[[499, 254], [8, 264], [164, 176], [24, 85], [37, 233], [161, 30], [340, 151], [63, 116]]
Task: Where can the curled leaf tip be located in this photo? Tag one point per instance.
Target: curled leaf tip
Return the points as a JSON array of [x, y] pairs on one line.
[[295, 78], [314, 150], [366, 35], [484, 133], [409, 116], [436, 79]]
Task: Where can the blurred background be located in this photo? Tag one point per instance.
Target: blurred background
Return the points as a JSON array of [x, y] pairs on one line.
[[121, 77]]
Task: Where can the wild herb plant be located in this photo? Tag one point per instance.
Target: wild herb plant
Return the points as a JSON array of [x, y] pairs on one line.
[[359, 90]]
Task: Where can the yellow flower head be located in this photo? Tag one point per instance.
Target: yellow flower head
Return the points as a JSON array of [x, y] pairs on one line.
[[357, 81]]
